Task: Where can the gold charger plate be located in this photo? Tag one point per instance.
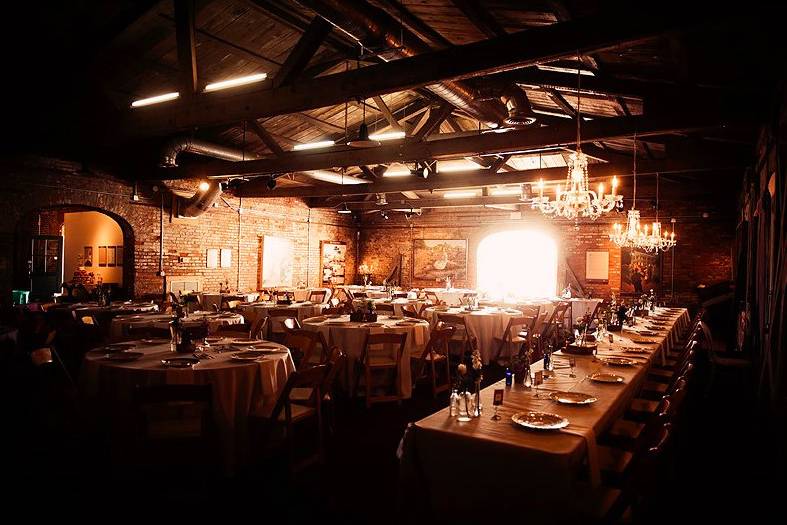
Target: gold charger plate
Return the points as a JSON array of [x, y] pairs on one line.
[[617, 361], [123, 357], [539, 420], [572, 398], [248, 355], [179, 362], [603, 377]]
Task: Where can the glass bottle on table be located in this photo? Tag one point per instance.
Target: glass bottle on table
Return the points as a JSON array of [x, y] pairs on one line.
[[453, 406]]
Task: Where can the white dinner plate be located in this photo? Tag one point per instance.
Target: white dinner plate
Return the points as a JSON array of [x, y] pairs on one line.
[[245, 342], [603, 377], [539, 420], [572, 398], [123, 357], [248, 355], [179, 362]]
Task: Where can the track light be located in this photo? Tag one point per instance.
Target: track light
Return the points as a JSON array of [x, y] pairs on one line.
[[384, 214]]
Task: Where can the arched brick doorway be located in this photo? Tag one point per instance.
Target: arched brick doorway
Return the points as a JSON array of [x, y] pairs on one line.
[[49, 220]]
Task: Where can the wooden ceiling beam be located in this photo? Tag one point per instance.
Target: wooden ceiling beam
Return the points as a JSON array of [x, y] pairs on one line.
[[187, 52], [481, 178], [512, 142], [386, 111], [480, 17], [398, 11], [266, 137], [512, 51], [303, 51], [436, 118], [561, 101]]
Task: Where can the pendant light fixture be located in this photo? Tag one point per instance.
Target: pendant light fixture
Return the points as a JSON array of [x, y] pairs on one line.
[[577, 200], [632, 235], [362, 140]]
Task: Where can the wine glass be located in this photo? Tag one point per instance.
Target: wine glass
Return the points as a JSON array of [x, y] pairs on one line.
[[572, 363]]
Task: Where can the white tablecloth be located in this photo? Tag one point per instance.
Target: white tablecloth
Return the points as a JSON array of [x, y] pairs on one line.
[[397, 303], [119, 326], [209, 299], [450, 297], [350, 337], [305, 310], [239, 389], [484, 324], [582, 307]]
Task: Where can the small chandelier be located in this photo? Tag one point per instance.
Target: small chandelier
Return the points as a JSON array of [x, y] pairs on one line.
[[578, 200], [656, 241], [632, 236]]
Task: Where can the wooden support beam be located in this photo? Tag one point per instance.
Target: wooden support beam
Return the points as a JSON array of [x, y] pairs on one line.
[[397, 10], [266, 137], [476, 59], [187, 53], [562, 103], [324, 125], [512, 142], [480, 17], [303, 51], [386, 111], [480, 178], [433, 122]]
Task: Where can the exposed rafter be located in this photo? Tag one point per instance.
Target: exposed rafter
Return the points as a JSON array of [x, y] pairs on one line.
[[266, 137], [465, 145], [508, 52], [485, 178], [480, 17], [187, 53], [303, 51]]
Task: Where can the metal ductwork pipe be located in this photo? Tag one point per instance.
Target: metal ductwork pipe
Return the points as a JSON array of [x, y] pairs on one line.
[[175, 147], [375, 28], [199, 203], [520, 113]]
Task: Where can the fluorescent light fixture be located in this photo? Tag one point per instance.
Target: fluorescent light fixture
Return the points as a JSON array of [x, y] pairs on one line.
[[563, 69], [510, 190], [450, 166], [333, 177], [235, 82], [551, 113], [154, 100], [460, 194], [344, 210], [313, 145], [388, 135]]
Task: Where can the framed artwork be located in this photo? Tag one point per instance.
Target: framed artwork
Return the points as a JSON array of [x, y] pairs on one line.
[[333, 256], [87, 259], [278, 255], [119, 256], [226, 257], [111, 256], [639, 272], [213, 258], [597, 266], [102, 255], [436, 259]]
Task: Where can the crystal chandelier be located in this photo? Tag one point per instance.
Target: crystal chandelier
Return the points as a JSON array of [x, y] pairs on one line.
[[656, 241], [632, 236], [577, 200]]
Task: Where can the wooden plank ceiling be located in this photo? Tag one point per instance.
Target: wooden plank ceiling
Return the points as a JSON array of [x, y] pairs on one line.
[[641, 77]]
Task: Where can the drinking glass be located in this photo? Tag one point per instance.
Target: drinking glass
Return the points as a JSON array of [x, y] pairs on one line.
[[572, 363]]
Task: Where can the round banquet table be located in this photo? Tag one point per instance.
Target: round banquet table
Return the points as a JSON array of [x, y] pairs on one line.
[[103, 313], [239, 388], [450, 297], [209, 299], [484, 324], [119, 326], [302, 294], [397, 303], [350, 336], [372, 292], [253, 311]]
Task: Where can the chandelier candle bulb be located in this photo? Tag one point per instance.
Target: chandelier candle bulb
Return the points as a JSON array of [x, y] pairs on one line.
[[601, 190]]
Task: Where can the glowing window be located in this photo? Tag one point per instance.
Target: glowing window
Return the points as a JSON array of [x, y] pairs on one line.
[[517, 264]]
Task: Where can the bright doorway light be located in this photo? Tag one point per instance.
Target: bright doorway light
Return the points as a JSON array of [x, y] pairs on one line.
[[517, 264]]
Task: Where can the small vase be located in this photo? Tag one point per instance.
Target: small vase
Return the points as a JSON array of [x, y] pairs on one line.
[[477, 400], [464, 406]]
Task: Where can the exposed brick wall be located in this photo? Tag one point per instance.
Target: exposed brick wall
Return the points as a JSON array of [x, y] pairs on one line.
[[54, 184], [702, 255]]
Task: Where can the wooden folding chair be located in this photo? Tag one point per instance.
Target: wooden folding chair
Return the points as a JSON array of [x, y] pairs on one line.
[[386, 308], [302, 344], [461, 338], [318, 296], [286, 414], [277, 317], [434, 356], [518, 334], [374, 359], [411, 311]]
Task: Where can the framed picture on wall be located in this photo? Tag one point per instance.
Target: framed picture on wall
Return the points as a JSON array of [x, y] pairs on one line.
[[333, 256], [87, 259], [639, 271], [597, 266], [102, 255], [111, 255], [278, 256], [436, 259], [119, 256], [213, 258]]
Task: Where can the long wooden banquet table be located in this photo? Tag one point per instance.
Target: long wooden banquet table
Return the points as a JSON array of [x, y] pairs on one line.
[[472, 470]]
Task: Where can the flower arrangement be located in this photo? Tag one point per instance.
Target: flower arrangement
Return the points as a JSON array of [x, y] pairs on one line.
[[365, 272], [468, 379]]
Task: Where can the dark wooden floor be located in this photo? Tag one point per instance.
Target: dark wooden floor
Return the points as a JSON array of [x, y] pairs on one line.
[[729, 466]]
